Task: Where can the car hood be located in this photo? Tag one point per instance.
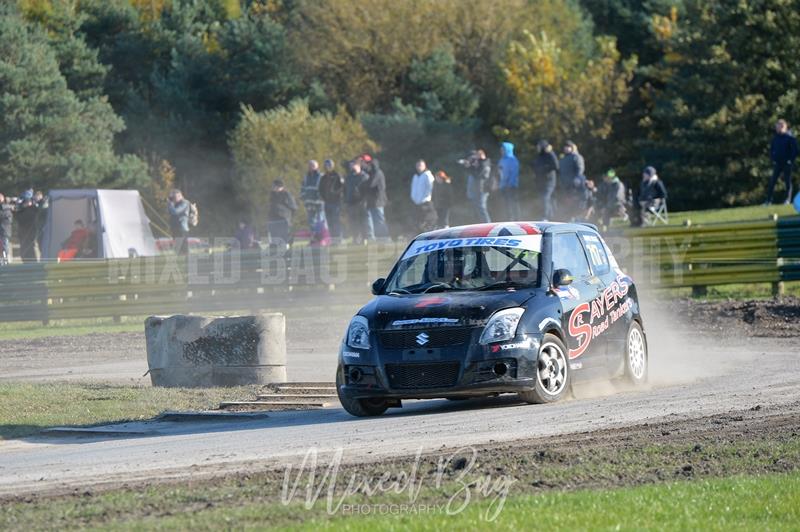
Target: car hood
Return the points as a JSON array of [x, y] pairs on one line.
[[442, 308]]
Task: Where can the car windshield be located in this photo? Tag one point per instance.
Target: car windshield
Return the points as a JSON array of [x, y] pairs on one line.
[[465, 268]]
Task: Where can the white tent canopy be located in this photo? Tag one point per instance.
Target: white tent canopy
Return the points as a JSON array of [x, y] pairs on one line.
[[117, 217]]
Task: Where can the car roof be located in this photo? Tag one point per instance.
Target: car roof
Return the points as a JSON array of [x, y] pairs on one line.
[[503, 229]]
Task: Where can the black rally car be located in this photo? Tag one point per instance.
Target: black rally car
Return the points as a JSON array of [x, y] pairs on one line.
[[517, 307]]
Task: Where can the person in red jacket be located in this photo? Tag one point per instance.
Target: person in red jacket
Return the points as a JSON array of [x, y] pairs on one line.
[[76, 244]]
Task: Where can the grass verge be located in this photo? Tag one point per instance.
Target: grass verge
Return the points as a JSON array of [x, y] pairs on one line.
[[731, 472], [27, 408]]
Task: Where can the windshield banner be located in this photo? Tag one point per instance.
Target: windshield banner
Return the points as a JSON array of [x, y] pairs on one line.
[[526, 242]]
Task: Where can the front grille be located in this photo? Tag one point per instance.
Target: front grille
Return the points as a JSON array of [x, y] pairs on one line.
[[434, 375], [422, 338]]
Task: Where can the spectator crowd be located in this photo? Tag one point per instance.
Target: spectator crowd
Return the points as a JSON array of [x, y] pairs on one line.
[[351, 204]]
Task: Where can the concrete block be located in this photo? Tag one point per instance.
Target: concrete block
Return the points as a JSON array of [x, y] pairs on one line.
[[197, 351]]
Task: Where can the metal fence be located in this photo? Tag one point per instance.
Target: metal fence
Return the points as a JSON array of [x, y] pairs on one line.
[[718, 254], [662, 257]]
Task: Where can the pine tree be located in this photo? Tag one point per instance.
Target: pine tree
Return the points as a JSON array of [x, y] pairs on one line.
[[729, 71], [48, 135]]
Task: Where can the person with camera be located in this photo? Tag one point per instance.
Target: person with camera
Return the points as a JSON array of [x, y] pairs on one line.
[[422, 197], [479, 169], [178, 208], [545, 168], [6, 221]]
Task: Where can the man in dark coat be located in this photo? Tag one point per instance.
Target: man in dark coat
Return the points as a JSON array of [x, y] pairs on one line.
[[355, 205], [331, 190], [545, 167], [783, 152], [571, 182], [26, 226], [282, 207], [374, 191], [6, 220], [611, 198]]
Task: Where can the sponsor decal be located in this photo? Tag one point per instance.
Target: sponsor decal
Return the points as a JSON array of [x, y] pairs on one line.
[[351, 354], [590, 320], [496, 348], [489, 229], [424, 321], [432, 302], [423, 338], [575, 365], [567, 292], [526, 242]]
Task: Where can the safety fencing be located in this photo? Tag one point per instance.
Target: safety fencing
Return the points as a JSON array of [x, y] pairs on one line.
[[716, 254], [305, 277], [224, 281]]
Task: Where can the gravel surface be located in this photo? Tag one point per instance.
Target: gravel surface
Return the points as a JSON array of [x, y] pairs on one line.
[[723, 359]]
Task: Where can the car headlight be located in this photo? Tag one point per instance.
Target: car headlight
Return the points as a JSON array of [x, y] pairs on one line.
[[502, 325], [358, 333]]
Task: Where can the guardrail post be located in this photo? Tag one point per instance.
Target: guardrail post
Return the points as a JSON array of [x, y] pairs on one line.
[[778, 289], [699, 291]]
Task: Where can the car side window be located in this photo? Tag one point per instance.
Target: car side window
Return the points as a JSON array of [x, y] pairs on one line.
[[597, 253], [568, 254]]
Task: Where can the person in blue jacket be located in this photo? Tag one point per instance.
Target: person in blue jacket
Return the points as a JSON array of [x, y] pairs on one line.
[[508, 169], [783, 152]]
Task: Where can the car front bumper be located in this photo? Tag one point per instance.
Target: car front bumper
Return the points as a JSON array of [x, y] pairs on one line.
[[467, 371]]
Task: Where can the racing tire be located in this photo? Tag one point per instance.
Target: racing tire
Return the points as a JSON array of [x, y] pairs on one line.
[[359, 407], [636, 356], [553, 378]]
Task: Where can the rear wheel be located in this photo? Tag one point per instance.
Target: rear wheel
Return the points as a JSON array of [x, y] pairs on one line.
[[552, 381], [359, 407], [636, 360]]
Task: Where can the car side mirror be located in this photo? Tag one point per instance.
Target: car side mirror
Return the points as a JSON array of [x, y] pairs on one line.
[[562, 277], [377, 286]]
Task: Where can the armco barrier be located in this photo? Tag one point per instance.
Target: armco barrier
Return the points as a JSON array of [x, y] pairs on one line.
[[718, 254], [663, 257], [169, 284]]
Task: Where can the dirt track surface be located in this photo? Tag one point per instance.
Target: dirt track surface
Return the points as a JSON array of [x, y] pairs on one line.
[[698, 382]]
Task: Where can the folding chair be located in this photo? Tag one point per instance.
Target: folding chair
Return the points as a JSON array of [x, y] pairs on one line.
[[656, 213]]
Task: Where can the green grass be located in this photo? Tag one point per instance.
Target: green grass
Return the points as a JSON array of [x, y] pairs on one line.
[[769, 502], [27, 408], [731, 214], [77, 327], [749, 481]]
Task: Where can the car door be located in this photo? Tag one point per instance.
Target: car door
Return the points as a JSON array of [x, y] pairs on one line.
[[613, 299], [578, 303]]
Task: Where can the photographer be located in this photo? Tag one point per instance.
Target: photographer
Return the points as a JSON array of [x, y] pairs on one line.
[[6, 218], [479, 169]]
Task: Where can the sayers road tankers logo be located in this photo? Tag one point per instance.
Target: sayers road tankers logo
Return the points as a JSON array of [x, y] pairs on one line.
[[602, 312]]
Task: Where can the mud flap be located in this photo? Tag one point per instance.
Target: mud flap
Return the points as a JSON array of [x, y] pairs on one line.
[[394, 403]]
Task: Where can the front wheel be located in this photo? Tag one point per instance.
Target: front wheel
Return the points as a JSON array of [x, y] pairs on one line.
[[552, 373], [358, 407], [636, 360]]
